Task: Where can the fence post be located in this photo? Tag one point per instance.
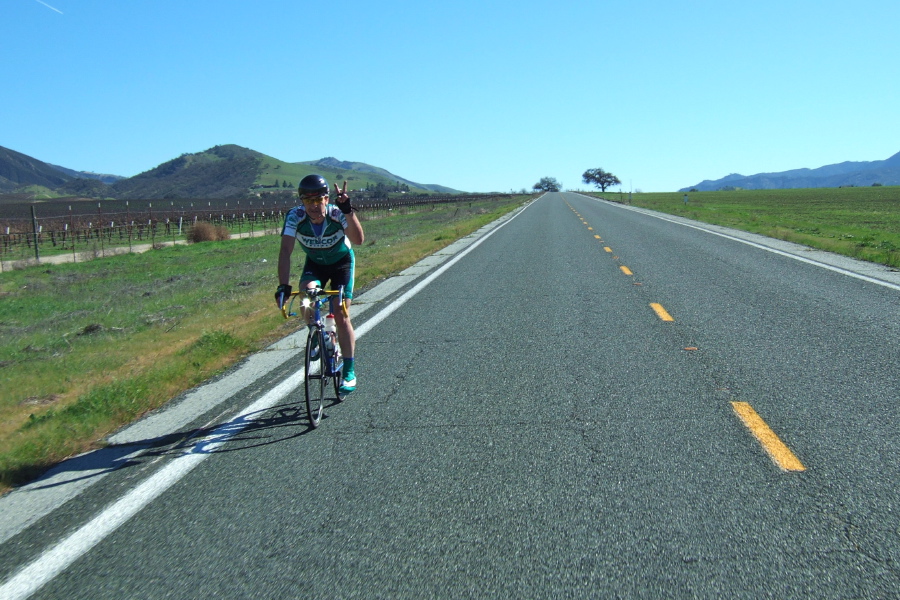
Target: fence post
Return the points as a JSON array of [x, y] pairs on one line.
[[37, 253]]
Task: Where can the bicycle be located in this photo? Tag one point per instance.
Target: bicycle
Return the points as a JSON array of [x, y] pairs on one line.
[[322, 360]]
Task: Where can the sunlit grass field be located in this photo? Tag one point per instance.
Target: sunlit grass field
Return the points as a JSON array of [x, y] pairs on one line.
[[88, 347], [861, 222]]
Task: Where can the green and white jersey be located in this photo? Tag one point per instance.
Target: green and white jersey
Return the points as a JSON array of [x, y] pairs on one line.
[[325, 244]]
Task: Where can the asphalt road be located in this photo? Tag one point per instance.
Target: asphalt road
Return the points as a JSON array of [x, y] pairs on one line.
[[527, 425]]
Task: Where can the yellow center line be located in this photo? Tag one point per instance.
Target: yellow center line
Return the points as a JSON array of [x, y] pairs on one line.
[[780, 453], [661, 312], [607, 248], [626, 270], [597, 236]]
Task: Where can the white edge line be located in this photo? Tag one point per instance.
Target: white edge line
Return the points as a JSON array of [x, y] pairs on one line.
[[816, 263], [52, 562]]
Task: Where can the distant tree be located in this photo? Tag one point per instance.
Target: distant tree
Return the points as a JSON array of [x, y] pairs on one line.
[[600, 178], [547, 184]]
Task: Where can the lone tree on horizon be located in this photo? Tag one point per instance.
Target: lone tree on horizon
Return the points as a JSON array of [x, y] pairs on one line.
[[600, 178], [547, 184]]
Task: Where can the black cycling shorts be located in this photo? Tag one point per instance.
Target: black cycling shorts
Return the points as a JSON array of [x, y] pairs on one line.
[[341, 273]]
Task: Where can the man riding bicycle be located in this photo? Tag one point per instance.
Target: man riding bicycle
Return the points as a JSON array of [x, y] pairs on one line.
[[326, 233]]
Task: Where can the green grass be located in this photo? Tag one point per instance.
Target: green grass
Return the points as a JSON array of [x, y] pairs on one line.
[[88, 347], [861, 222], [39, 191]]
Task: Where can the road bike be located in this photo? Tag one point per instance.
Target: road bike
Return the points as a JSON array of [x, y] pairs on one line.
[[322, 360]]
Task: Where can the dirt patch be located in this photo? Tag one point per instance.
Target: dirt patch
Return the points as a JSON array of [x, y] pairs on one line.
[[39, 401]]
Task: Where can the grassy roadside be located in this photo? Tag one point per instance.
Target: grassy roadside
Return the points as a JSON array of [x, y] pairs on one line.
[[88, 347], [860, 222]]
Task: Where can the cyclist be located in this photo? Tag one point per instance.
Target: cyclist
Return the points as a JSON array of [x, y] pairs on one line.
[[326, 233]]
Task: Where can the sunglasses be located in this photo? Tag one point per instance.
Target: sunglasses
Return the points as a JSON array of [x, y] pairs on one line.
[[314, 198]]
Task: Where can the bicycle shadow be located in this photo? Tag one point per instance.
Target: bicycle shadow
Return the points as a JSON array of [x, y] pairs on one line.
[[252, 430]]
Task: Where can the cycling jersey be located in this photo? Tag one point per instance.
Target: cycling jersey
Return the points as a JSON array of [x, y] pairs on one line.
[[326, 243]]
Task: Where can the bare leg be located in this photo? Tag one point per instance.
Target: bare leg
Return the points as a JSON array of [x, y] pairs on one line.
[[346, 335]]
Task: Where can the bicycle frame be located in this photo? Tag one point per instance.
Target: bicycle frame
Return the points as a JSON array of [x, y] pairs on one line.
[[329, 360]]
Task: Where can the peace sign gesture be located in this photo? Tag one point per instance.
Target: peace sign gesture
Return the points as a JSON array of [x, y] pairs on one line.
[[343, 199], [342, 195]]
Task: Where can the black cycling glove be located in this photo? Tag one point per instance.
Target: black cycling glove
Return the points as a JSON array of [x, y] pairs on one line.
[[282, 294], [345, 207]]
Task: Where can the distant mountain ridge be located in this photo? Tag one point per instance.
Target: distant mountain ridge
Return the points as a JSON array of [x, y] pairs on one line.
[[884, 172], [19, 170], [104, 177], [333, 163], [226, 171]]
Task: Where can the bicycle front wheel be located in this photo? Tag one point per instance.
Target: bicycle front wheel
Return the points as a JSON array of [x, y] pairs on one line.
[[316, 377]]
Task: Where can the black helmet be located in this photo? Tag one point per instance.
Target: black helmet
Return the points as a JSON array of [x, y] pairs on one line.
[[312, 184]]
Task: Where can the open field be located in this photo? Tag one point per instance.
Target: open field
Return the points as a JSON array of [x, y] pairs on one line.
[[88, 347], [861, 222]]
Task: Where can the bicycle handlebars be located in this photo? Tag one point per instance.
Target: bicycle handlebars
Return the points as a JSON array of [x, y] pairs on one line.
[[313, 295]]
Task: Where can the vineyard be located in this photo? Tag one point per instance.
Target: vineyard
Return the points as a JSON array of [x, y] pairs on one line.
[[31, 230]]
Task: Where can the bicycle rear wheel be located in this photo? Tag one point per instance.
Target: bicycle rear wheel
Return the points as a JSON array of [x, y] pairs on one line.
[[315, 378]]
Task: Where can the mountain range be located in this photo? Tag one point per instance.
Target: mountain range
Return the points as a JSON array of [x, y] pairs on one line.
[[231, 171], [227, 171], [845, 174]]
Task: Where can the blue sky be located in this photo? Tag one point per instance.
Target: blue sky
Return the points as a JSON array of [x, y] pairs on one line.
[[481, 95]]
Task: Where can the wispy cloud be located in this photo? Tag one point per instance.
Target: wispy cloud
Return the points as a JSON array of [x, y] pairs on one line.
[[50, 7]]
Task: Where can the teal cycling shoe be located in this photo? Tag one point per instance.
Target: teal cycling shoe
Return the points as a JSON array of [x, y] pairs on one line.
[[348, 385], [348, 382]]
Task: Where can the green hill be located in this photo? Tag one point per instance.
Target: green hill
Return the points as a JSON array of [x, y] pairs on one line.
[[220, 172]]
